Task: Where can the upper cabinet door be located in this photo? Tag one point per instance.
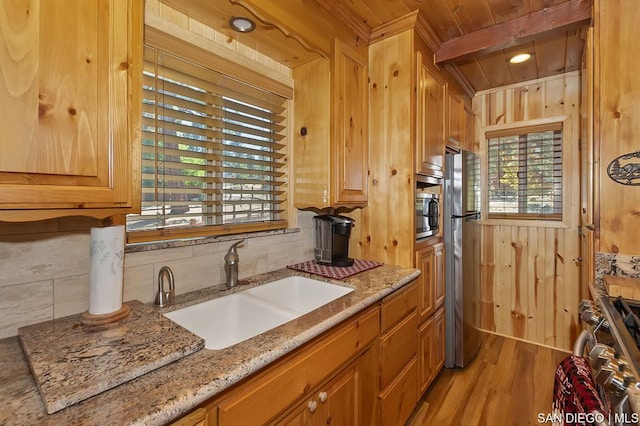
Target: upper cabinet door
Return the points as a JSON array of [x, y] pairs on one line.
[[456, 121], [350, 131], [467, 127], [430, 121], [330, 146], [70, 96]]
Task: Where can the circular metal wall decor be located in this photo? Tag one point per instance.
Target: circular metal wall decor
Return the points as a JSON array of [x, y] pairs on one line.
[[625, 169]]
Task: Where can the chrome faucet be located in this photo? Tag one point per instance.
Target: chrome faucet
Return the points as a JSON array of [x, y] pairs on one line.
[[165, 298], [231, 260]]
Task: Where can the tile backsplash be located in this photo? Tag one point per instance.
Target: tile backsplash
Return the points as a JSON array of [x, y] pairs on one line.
[[45, 276]]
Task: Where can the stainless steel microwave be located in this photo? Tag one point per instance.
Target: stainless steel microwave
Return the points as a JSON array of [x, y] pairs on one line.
[[427, 214]]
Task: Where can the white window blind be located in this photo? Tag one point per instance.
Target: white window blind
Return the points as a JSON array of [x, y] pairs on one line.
[[213, 150], [525, 173]]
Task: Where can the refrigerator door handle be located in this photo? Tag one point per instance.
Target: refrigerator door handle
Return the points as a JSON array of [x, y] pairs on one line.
[[474, 215]]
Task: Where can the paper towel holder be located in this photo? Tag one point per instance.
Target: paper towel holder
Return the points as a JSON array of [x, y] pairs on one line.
[[106, 276], [90, 319]]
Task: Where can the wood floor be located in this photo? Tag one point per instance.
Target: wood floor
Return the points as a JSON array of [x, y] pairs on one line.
[[509, 383]]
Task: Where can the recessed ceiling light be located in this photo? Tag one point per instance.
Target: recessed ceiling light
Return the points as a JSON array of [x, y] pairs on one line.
[[522, 57], [242, 24]]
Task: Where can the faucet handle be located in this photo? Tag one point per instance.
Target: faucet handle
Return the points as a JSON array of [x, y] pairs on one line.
[[232, 253]]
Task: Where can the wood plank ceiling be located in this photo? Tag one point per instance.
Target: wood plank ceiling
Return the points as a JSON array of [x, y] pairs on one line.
[[474, 39]]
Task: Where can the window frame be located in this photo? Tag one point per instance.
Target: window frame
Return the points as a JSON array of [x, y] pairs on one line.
[[209, 56], [516, 219]]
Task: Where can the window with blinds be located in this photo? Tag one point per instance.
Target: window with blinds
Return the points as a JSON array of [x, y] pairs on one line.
[[525, 173], [213, 152]]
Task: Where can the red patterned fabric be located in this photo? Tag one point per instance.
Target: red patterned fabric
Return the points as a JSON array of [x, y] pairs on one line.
[[335, 272], [575, 394]]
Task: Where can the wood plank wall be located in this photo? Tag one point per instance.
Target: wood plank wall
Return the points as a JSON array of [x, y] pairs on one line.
[[529, 270], [617, 113]]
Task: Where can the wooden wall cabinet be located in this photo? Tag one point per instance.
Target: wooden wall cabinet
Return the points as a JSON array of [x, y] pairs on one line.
[[430, 260], [455, 120], [430, 119], [408, 102], [398, 363], [460, 124], [331, 130], [468, 141], [70, 98]]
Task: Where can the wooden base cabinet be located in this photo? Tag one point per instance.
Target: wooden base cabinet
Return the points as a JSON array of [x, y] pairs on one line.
[[332, 377], [199, 417], [399, 400], [341, 401], [430, 349], [398, 363], [331, 130], [365, 371], [71, 102], [430, 260]]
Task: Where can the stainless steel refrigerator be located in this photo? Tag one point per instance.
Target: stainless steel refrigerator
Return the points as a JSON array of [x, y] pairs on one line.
[[461, 215]]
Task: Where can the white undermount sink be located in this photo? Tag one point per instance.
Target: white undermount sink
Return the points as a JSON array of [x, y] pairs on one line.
[[228, 320]]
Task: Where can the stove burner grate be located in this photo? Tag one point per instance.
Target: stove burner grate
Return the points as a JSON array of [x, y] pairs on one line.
[[629, 311]]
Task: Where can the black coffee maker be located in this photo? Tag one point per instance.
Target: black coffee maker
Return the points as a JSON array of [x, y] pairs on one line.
[[331, 236]]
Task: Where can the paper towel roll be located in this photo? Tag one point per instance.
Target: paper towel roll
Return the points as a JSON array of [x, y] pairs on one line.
[[107, 269]]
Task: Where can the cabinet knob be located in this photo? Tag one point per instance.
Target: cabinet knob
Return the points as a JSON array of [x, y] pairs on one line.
[[313, 406], [322, 396]]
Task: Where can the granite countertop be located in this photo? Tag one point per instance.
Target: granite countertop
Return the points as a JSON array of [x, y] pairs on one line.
[[72, 362], [173, 390]]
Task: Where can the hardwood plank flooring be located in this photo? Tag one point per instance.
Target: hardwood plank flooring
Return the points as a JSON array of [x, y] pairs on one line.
[[509, 383]]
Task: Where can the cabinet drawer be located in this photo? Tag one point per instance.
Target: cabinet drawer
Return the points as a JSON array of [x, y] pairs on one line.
[[397, 306], [397, 347], [280, 387], [399, 400]]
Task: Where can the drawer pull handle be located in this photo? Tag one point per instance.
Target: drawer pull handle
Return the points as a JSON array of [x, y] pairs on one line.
[[313, 406], [322, 396]]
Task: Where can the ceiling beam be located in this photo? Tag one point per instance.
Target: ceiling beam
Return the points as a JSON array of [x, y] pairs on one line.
[[548, 21]]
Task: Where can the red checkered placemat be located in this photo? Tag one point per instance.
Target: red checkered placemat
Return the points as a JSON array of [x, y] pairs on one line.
[[335, 272]]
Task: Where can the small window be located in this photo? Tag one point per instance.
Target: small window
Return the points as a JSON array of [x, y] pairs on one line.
[[213, 153], [525, 173]]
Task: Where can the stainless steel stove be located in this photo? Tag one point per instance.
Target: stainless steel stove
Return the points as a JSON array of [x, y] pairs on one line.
[[611, 344]]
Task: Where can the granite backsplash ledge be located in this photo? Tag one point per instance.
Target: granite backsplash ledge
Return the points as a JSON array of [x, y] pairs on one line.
[[626, 265]]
